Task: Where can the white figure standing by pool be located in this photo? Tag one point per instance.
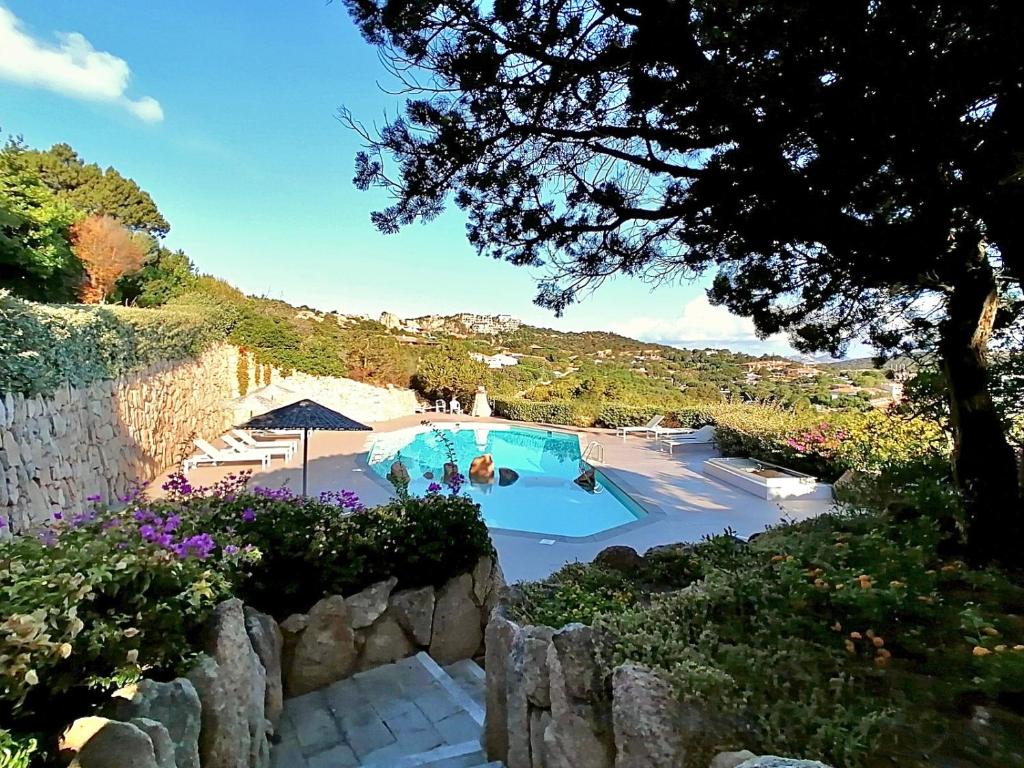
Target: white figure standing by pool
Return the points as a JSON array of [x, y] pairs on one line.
[[481, 407]]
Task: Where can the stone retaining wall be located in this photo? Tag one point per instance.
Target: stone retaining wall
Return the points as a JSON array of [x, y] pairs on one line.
[[224, 713], [551, 705], [57, 450]]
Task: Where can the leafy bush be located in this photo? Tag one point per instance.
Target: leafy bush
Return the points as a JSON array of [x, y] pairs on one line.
[[15, 751], [849, 638], [567, 413], [615, 416], [43, 347], [96, 601]]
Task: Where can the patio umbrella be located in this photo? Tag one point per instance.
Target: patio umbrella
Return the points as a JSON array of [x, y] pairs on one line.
[[305, 415]]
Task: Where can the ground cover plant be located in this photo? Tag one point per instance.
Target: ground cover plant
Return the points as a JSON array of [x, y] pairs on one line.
[[858, 638], [102, 598]]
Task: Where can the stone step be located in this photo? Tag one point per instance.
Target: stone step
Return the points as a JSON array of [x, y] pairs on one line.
[[410, 713], [471, 678]]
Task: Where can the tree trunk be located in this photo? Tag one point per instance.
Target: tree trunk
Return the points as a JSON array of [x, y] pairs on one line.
[[983, 462]]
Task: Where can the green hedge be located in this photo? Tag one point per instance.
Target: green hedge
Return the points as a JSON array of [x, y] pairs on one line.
[[555, 412], [43, 347]]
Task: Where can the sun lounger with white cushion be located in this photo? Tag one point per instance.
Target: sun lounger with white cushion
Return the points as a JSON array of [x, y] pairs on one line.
[[284, 451], [652, 424], [210, 455], [703, 436], [252, 442]]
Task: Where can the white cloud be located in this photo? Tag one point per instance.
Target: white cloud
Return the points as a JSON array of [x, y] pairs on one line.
[[699, 322], [71, 67]]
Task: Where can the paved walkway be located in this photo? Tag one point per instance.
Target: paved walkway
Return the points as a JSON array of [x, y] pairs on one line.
[[682, 503], [412, 713]]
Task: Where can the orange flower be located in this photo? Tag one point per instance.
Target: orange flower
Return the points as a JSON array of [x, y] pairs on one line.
[[856, 635], [878, 642], [981, 651]]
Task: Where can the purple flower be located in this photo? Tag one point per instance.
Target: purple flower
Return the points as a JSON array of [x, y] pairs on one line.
[[48, 538], [94, 498], [172, 523], [198, 546], [148, 532], [230, 549], [434, 488], [248, 514], [56, 516]]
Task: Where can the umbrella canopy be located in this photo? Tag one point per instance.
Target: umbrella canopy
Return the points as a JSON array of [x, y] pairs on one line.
[[305, 415]]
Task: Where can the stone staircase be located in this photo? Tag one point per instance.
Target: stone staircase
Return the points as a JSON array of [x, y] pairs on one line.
[[410, 714]]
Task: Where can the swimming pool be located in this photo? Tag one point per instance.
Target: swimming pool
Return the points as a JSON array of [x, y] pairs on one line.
[[543, 500]]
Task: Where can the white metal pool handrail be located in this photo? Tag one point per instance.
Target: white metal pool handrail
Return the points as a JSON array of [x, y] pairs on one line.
[[594, 452]]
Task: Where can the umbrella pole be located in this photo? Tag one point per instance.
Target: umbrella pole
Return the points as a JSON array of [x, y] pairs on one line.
[[305, 457]]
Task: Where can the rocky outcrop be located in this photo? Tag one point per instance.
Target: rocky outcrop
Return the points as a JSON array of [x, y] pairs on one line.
[[507, 476], [413, 609], [96, 742], [268, 642], [528, 692], [646, 721], [731, 759], [367, 606], [498, 648], [580, 732], [618, 558], [771, 761], [175, 705], [163, 747], [325, 650], [384, 643], [231, 683], [458, 629]]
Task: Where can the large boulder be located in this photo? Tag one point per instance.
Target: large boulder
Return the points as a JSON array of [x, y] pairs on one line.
[[96, 742], [175, 705], [649, 732], [163, 747], [457, 626], [528, 688], [580, 732], [413, 609], [507, 476], [481, 469], [730, 759], [619, 558], [498, 644], [383, 643], [232, 685], [367, 606], [268, 642], [324, 651]]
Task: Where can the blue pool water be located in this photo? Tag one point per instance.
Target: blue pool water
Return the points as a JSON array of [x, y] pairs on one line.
[[543, 500]]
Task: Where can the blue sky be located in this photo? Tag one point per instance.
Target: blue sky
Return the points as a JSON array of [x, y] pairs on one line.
[[225, 113]]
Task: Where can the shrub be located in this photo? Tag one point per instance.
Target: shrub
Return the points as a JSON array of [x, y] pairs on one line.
[[43, 347], [616, 416], [242, 371], [849, 638], [554, 412], [96, 601]]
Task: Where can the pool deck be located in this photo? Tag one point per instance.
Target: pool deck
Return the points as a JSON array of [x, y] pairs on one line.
[[682, 503]]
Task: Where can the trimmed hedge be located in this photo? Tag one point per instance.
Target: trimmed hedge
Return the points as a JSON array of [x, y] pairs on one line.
[[43, 347], [554, 412]]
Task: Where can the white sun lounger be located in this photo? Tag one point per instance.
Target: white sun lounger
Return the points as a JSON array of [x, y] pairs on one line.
[[666, 431], [252, 442], [210, 455], [652, 424], [285, 451], [703, 436]]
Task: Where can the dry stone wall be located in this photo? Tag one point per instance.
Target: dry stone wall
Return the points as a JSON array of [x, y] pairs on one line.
[[59, 449], [551, 704]]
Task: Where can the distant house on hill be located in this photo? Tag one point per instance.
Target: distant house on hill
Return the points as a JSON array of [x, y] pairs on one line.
[[500, 360]]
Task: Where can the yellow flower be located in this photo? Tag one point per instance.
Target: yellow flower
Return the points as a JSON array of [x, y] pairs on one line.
[[980, 651], [1018, 647], [850, 647], [1000, 648], [778, 558], [31, 678], [132, 656], [878, 642], [991, 631], [64, 650], [897, 584], [856, 635]]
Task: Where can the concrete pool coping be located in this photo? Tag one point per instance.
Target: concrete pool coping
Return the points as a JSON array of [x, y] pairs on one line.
[[687, 504]]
